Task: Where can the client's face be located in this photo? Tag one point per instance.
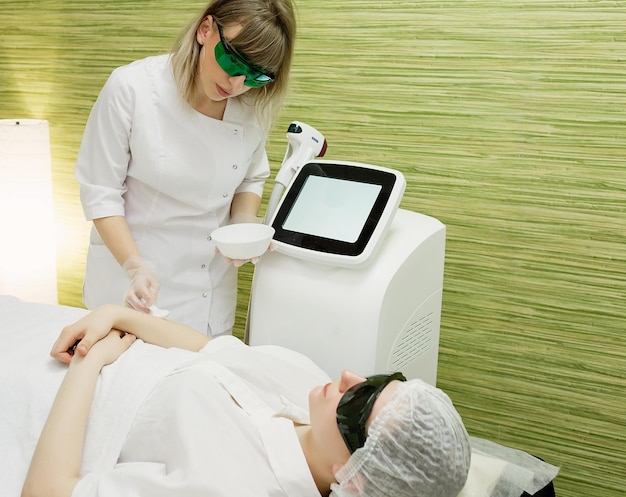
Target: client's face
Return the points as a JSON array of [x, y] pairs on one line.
[[323, 403]]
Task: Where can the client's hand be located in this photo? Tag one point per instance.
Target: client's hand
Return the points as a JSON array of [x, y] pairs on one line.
[[80, 336], [112, 346]]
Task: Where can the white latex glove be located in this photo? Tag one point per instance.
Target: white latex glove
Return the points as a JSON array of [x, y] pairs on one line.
[[144, 284], [241, 262]]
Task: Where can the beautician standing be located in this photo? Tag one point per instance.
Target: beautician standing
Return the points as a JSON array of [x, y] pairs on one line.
[[175, 147]]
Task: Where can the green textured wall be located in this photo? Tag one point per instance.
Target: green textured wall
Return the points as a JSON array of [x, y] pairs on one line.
[[508, 120]]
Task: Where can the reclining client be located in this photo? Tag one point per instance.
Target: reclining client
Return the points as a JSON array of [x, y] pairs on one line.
[[223, 418]]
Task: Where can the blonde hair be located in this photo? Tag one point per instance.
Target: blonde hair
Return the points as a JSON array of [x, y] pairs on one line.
[[267, 40]]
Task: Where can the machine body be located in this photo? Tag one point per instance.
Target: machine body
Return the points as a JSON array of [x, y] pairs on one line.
[[384, 316]]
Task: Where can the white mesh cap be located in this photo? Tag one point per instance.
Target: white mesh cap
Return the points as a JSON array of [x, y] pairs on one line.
[[417, 446]]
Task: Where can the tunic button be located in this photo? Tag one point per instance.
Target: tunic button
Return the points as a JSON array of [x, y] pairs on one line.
[[235, 131], [225, 195], [203, 266], [208, 237], [235, 166], [204, 295]]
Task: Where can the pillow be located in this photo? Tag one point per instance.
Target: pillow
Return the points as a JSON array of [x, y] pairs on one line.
[[498, 471]]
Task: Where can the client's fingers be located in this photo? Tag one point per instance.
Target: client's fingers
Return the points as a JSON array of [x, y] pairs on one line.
[[64, 357], [114, 345], [127, 340], [70, 340], [120, 339]]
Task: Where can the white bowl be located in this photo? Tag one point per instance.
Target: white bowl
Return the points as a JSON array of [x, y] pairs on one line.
[[243, 240]]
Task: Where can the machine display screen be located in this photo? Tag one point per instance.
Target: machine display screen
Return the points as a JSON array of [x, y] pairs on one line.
[[335, 208], [332, 208]]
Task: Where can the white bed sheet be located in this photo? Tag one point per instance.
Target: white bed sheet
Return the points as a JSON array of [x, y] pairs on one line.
[[29, 380]]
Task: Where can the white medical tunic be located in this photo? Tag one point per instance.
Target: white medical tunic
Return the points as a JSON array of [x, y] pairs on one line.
[[220, 426], [172, 172]]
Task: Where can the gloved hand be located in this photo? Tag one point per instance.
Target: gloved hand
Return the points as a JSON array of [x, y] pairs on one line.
[[241, 262], [144, 284]]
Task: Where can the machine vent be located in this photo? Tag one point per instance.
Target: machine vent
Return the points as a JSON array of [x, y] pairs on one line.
[[415, 341]]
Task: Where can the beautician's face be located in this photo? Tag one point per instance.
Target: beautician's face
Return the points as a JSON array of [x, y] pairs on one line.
[[212, 80], [323, 403]]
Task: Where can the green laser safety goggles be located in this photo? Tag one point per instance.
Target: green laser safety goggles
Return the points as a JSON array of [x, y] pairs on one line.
[[355, 407], [234, 64]]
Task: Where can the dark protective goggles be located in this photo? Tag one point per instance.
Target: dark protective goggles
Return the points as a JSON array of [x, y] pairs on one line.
[[234, 64], [355, 407]]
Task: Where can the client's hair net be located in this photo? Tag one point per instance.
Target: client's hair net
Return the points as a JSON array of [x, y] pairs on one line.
[[416, 446]]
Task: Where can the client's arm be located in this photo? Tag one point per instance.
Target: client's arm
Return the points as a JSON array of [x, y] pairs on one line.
[[54, 469], [98, 323]]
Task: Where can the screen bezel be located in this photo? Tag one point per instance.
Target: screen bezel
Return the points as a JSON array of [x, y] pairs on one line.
[[385, 179]]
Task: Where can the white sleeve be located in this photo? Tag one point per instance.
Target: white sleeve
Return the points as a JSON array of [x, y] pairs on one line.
[[104, 154], [258, 171]]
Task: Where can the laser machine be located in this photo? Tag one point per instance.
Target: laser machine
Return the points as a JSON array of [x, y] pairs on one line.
[[354, 282]]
